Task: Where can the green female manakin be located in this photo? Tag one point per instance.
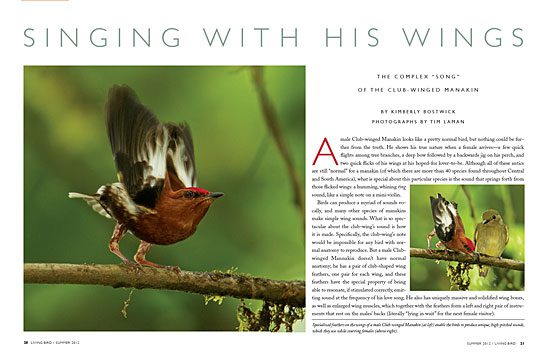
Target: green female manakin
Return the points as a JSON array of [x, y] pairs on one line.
[[491, 237]]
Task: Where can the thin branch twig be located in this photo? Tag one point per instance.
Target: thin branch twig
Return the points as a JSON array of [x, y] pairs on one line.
[[206, 283], [470, 201], [272, 121], [472, 259]]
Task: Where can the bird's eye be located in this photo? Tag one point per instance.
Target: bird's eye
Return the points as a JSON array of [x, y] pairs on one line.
[[494, 217], [189, 194]]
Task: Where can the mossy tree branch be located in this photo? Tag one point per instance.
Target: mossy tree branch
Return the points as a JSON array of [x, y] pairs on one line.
[[447, 255], [206, 283]]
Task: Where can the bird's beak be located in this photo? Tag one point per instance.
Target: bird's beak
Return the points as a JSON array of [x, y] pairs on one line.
[[215, 195], [486, 221]]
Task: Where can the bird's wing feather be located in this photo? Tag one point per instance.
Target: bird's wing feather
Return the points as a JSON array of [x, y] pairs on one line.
[[144, 149], [444, 222], [507, 232]]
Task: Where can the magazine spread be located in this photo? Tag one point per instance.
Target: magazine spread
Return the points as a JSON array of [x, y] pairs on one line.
[[332, 178]]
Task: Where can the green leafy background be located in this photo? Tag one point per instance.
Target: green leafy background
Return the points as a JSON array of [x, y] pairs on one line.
[[255, 227], [507, 199]]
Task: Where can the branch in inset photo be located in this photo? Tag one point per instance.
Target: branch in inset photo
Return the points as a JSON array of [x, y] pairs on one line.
[[447, 255]]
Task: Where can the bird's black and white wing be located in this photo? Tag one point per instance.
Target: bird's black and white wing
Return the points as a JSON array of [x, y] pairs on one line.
[[145, 149], [443, 213]]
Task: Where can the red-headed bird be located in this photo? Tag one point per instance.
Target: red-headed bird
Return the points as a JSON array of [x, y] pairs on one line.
[[156, 197], [448, 226]]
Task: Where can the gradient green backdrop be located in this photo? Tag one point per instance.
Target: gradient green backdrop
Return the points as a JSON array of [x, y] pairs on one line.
[[507, 199], [254, 227]]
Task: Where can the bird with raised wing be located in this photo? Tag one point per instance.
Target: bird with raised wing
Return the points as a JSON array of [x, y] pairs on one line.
[[448, 226], [156, 197]]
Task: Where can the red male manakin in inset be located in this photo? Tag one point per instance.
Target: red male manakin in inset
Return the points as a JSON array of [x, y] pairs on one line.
[[448, 226], [156, 198]]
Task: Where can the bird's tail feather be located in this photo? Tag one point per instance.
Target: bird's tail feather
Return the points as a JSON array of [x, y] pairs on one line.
[[73, 195], [93, 201]]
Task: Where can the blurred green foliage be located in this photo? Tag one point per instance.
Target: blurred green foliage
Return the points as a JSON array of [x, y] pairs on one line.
[[255, 227], [507, 199]]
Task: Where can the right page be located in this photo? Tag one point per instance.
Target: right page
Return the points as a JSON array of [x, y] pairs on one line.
[[426, 181]]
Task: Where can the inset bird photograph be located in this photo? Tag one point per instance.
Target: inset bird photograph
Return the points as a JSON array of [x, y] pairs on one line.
[[164, 198], [467, 237]]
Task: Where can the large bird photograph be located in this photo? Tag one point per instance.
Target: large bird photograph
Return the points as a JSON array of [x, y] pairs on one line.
[[181, 187], [467, 237]]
